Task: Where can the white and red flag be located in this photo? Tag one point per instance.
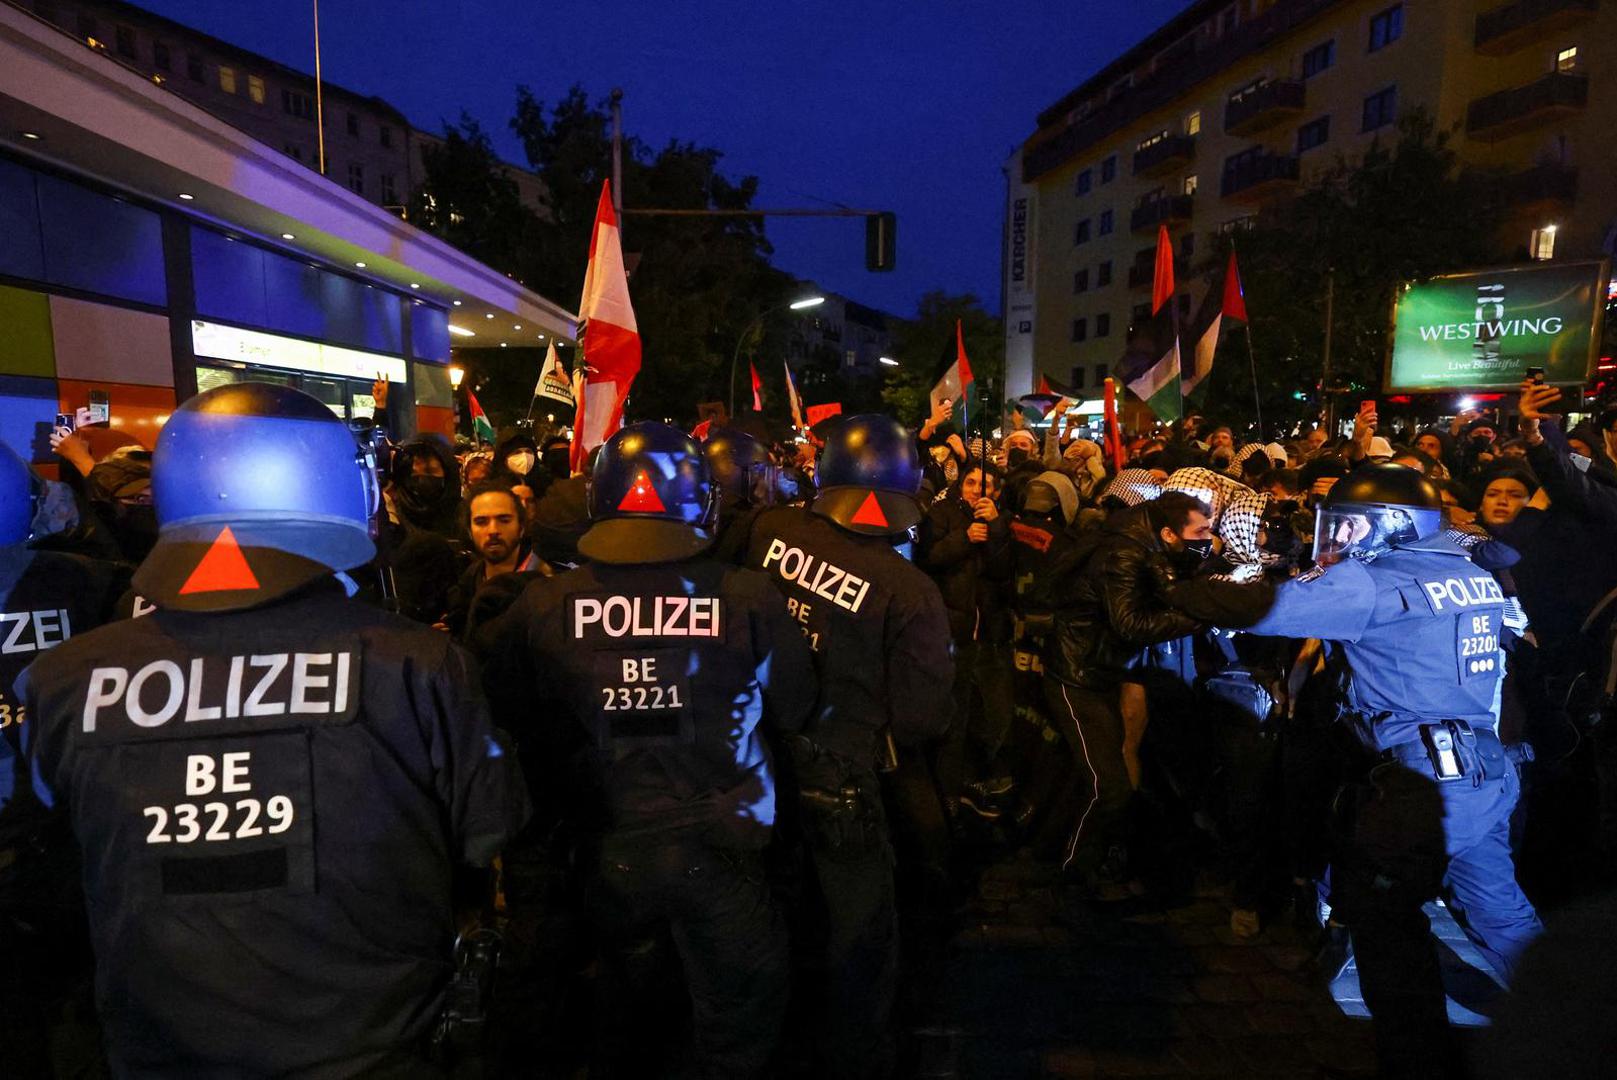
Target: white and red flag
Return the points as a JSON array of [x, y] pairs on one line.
[[611, 337], [757, 388], [791, 396]]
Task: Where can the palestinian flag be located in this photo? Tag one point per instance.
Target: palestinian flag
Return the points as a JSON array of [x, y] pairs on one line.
[[482, 430], [1218, 305], [957, 384], [1155, 375]]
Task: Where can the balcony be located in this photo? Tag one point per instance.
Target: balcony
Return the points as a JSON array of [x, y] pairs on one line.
[[1268, 105], [1258, 177], [1169, 210], [1509, 112], [1165, 155], [1509, 27], [1541, 188]]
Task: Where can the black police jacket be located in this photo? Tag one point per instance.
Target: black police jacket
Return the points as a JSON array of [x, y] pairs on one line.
[[877, 625], [45, 598], [270, 803], [646, 687]]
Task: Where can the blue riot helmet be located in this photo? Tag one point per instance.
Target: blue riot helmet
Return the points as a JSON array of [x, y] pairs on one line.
[[741, 468], [17, 497], [259, 490], [651, 499], [1374, 509], [868, 476]]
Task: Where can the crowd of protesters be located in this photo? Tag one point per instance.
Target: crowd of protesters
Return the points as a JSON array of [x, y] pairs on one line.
[[1110, 719]]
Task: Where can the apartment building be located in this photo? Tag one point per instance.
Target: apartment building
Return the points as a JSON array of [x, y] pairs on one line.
[[1235, 103]]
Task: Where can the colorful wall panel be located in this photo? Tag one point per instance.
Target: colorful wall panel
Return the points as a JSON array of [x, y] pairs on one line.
[[97, 341]]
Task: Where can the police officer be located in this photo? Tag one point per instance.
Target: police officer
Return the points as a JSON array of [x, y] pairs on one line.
[[880, 636], [746, 479], [45, 598], [271, 783], [1420, 629], [662, 665]]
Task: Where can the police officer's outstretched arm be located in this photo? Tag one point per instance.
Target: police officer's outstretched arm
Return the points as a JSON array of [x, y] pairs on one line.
[[1333, 605], [920, 665]]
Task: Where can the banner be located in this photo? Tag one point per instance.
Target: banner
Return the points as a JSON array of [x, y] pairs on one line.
[[553, 380], [1483, 330], [816, 413]]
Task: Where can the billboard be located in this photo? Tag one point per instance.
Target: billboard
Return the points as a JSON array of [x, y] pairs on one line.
[[1482, 330]]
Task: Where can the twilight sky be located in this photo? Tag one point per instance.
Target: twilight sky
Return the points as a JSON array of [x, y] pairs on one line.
[[911, 107]]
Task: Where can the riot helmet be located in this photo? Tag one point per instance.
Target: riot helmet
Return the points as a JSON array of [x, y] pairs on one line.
[[741, 468], [259, 489], [1374, 509], [868, 476], [17, 497], [651, 499]]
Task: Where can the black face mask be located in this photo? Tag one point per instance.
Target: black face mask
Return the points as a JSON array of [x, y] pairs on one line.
[[1481, 444], [1016, 455], [425, 490], [1198, 549]]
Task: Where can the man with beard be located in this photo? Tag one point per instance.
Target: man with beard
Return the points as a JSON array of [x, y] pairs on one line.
[[494, 521]]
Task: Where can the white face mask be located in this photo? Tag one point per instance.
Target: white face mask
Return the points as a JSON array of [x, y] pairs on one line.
[[1579, 462], [521, 463]]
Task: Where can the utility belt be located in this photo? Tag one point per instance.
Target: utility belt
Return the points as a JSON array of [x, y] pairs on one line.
[[1453, 751], [841, 801], [463, 1023]]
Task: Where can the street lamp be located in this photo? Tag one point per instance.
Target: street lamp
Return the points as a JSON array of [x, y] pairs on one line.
[[887, 361], [796, 305], [456, 374]]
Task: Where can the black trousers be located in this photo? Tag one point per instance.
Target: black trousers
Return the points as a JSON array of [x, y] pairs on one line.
[[1091, 725], [730, 937]]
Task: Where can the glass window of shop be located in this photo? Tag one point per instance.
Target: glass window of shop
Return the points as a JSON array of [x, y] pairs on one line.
[[349, 399]]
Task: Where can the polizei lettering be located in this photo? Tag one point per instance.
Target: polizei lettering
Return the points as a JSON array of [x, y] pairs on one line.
[[33, 631], [1463, 592], [845, 590], [600, 617], [221, 687]]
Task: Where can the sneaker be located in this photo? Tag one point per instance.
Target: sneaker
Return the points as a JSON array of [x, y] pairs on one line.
[[990, 788], [975, 804]]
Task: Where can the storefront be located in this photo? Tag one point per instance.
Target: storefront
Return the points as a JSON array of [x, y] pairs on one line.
[[148, 251]]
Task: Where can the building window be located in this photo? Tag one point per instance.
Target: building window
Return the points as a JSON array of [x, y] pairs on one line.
[[1319, 58], [1380, 108], [1078, 378], [1080, 281], [1193, 123], [124, 39], [356, 178], [255, 89], [1152, 139], [88, 30], [296, 104], [193, 68], [1250, 88], [1567, 59], [1108, 169], [1386, 27], [390, 193], [227, 79], [1314, 133], [1104, 228], [1103, 325], [1080, 235], [160, 57], [1190, 184], [1541, 245], [1140, 313], [1103, 274], [1080, 329], [353, 123], [1086, 180], [387, 136], [1100, 375]]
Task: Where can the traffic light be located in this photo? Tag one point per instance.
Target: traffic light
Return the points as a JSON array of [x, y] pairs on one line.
[[881, 241]]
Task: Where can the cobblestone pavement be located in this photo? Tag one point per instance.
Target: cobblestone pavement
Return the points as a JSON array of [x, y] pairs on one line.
[[1041, 983]]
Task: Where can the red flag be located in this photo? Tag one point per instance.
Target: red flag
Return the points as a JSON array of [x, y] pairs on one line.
[[1044, 385], [1162, 283], [699, 432], [816, 413], [757, 388], [1114, 434], [611, 337], [1234, 295]]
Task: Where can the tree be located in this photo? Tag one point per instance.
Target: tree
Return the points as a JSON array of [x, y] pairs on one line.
[[1404, 211], [925, 346], [467, 198]]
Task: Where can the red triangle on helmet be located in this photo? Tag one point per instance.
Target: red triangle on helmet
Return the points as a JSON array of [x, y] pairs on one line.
[[870, 513], [222, 569], [642, 498]]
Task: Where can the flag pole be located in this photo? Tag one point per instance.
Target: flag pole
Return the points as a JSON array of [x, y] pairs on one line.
[[1252, 362]]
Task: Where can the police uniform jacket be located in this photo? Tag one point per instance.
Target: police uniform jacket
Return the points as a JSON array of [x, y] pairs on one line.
[[655, 679], [1421, 628], [270, 803], [877, 625]]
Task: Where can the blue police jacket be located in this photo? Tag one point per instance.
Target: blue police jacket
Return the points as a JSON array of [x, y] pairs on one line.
[[1421, 628]]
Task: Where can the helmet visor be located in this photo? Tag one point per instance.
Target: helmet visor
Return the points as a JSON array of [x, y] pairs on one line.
[[1357, 532]]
